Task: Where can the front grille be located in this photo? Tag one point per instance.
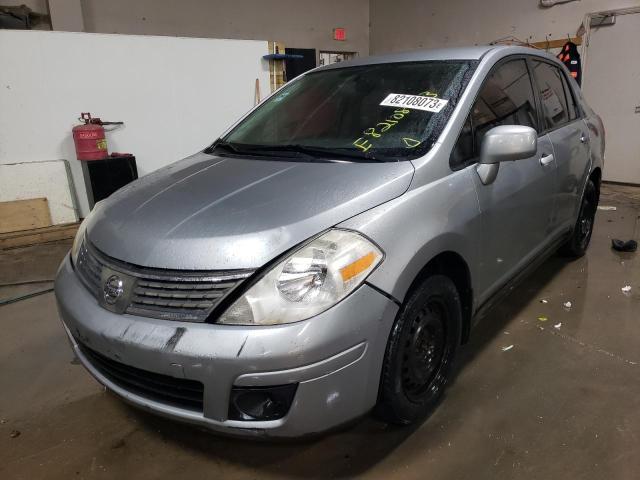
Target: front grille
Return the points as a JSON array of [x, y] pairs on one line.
[[172, 391], [187, 299], [158, 293]]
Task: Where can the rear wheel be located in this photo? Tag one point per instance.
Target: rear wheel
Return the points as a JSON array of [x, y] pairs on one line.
[[420, 352], [578, 243]]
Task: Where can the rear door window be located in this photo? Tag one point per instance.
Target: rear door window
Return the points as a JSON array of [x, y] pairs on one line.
[[555, 108]]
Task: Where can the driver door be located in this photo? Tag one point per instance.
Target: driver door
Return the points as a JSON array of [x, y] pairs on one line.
[[517, 206]]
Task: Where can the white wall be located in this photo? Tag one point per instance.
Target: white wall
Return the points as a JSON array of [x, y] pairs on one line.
[[175, 95], [611, 88], [49, 179], [413, 24]]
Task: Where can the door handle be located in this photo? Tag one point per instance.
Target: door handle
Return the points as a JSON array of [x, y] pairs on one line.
[[584, 138], [546, 160]]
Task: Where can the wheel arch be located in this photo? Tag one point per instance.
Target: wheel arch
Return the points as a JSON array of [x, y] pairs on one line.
[[452, 265]]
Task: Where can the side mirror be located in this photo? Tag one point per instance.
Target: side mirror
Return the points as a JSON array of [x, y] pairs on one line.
[[507, 143]]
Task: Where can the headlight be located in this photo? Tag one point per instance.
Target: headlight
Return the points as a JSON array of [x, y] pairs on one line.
[[308, 282], [77, 241]]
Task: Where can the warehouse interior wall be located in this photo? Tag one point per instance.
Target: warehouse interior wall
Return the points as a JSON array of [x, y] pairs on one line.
[[296, 23], [38, 6], [373, 26], [413, 24]]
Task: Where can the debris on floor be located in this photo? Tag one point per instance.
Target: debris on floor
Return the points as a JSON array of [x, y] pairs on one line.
[[567, 305], [506, 349], [544, 300], [622, 246], [626, 289], [542, 318], [14, 433], [606, 207], [557, 326]]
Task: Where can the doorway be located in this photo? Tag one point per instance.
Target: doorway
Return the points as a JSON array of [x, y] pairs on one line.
[[300, 60], [327, 58]]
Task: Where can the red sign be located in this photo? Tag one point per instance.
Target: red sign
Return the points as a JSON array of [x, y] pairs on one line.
[[339, 34]]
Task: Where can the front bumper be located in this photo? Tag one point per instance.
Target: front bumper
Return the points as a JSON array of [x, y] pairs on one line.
[[335, 358]]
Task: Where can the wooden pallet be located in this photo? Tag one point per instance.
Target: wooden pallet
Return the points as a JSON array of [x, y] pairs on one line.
[[38, 236], [18, 215]]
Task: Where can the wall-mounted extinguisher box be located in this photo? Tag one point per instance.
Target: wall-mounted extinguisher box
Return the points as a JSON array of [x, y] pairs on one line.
[[103, 173]]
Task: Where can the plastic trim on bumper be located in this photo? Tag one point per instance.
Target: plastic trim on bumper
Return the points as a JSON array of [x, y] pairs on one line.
[[322, 368]]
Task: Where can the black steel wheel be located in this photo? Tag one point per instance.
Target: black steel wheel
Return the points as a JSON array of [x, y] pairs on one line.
[[424, 348], [578, 243], [420, 351]]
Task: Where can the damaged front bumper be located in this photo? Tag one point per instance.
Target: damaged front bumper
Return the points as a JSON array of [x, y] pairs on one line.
[[334, 360]]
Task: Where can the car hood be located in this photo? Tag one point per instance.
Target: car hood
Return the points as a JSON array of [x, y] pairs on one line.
[[218, 213]]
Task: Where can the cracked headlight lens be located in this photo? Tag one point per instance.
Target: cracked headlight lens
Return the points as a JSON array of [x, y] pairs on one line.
[[309, 281]]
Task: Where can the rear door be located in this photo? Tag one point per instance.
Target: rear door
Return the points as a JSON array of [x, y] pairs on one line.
[[516, 207], [562, 122]]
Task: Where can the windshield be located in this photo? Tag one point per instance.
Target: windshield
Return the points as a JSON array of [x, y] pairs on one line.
[[392, 111]]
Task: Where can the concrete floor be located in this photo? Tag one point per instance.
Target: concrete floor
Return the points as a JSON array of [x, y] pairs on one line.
[[563, 402]]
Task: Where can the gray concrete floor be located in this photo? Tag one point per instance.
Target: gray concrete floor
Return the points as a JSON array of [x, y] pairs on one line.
[[563, 402]]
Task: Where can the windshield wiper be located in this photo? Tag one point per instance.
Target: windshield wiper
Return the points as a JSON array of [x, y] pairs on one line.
[[258, 150], [325, 153], [229, 147]]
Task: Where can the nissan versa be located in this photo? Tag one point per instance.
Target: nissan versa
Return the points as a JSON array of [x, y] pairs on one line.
[[327, 255]]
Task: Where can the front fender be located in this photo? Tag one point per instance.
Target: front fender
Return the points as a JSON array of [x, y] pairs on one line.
[[441, 216]]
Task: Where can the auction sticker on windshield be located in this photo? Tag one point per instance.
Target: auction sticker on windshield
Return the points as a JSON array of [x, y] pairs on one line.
[[416, 102]]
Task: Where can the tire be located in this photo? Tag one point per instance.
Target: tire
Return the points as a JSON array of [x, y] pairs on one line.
[[578, 243], [420, 351]]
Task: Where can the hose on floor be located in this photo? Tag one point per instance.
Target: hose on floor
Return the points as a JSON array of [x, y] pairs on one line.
[[25, 297]]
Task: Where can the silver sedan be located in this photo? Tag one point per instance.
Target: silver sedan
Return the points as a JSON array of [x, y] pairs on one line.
[[327, 255]]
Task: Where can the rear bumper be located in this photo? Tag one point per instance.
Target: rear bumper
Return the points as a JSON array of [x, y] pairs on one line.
[[335, 358]]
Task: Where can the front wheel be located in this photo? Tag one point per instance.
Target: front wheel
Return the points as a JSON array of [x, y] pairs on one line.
[[420, 352], [578, 243]]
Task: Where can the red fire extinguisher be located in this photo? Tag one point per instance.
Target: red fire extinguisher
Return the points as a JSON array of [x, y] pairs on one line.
[[89, 138]]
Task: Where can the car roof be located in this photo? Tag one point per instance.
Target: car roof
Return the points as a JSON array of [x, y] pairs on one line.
[[458, 53]]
